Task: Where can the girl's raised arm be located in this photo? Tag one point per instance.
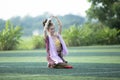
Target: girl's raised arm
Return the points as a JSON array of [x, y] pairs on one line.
[[60, 25], [45, 24]]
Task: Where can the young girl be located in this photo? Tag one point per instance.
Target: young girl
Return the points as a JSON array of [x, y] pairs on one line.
[[55, 46]]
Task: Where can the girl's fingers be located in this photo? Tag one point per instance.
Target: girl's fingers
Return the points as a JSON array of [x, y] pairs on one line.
[[52, 16]]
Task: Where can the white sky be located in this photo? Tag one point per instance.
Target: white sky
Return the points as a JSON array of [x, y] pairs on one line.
[[10, 8]]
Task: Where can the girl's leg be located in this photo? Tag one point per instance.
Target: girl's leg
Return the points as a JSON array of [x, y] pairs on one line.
[[51, 65], [61, 56]]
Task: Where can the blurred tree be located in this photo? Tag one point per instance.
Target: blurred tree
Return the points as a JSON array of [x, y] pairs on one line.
[[91, 34], [2, 23], [29, 24], [106, 11], [9, 36], [38, 42]]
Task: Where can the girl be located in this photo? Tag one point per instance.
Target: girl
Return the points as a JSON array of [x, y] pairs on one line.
[[55, 45]]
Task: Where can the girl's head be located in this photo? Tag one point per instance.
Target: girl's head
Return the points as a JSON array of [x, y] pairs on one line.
[[50, 28]]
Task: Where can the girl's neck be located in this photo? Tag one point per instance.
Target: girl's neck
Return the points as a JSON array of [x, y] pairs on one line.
[[52, 34]]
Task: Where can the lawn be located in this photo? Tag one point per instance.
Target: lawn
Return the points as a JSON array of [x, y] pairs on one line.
[[90, 63]]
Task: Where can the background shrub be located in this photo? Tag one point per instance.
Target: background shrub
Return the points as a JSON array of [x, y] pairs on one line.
[[10, 36], [91, 34]]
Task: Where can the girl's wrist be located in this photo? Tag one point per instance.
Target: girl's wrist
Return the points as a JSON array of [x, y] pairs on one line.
[[49, 19]]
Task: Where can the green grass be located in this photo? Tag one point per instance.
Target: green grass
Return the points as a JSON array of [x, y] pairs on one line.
[[83, 59], [44, 77], [90, 63]]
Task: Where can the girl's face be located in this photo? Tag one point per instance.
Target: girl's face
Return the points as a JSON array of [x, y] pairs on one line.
[[51, 30]]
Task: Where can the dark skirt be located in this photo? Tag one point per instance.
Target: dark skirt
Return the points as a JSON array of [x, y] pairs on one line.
[[60, 66]]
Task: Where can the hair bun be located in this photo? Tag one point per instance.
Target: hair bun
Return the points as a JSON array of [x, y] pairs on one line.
[[44, 22]]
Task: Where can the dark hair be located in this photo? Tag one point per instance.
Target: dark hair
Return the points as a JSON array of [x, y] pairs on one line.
[[49, 23]]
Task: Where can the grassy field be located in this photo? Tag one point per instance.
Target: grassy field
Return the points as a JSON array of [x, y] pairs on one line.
[[90, 63]]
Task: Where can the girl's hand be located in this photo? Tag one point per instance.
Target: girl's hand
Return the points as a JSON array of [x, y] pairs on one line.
[[55, 16], [51, 17]]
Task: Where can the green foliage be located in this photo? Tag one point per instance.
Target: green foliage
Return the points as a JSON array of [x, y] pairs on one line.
[[71, 36], [91, 34], [2, 23], [9, 36], [106, 11], [88, 34], [38, 42], [30, 43], [26, 43]]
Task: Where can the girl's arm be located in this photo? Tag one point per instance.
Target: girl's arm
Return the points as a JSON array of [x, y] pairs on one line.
[[45, 27], [60, 25]]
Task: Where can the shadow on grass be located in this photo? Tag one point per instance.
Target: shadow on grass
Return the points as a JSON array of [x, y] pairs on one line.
[[80, 69]]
